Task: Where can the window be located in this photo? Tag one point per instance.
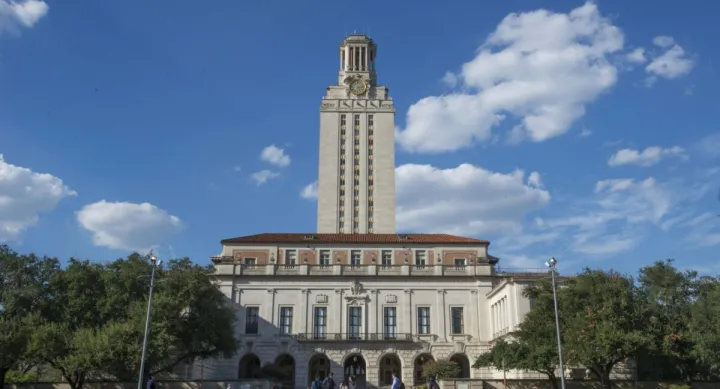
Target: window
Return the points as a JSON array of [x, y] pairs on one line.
[[286, 319], [324, 257], [389, 323], [251, 320], [355, 256], [386, 259], [423, 320], [320, 323], [250, 261], [460, 263], [457, 320], [420, 258], [354, 322], [290, 257]]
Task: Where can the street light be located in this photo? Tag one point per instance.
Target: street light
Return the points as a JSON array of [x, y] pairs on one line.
[[551, 264], [155, 264]]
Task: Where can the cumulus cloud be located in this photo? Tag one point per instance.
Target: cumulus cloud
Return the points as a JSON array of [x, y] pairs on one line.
[[465, 200], [20, 14], [263, 176], [128, 226], [24, 195], [275, 156], [648, 157], [541, 68], [637, 56], [310, 191], [671, 64]]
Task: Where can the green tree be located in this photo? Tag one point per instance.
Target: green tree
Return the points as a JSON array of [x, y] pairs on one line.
[[705, 323], [104, 305], [442, 369], [670, 295], [533, 346], [604, 321], [24, 295]]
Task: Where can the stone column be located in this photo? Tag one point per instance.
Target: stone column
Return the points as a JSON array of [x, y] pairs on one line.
[[373, 313], [270, 312], [475, 321], [441, 316], [408, 312], [304, 302], [338, 327]]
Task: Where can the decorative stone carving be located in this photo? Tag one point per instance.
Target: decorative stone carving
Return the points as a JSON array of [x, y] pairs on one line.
[[441, 291], [356, 302], [391, 299], [271, 291], [321, 299], [356, 288]]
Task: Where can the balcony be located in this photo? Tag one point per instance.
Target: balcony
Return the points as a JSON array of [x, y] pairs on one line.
[[354, 337], [226, 268]]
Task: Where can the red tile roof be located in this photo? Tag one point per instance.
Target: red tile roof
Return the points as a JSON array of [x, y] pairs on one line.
[[271, 238]]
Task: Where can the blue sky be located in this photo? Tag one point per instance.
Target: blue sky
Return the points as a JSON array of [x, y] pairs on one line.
[[586, 131]]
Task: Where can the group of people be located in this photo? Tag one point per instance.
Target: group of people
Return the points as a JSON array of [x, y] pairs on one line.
[[349, 383]]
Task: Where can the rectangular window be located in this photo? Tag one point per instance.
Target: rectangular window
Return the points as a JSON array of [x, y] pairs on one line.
[[320, 323], [357, 120], [354, 322], [355, 257], [460, 263], [457, 325], [286, 319], [250, 261], [386, 259], [324, 257], [423, 320], [342, 120], [251, 320], [420, 258], [290, 257], [389, 323]]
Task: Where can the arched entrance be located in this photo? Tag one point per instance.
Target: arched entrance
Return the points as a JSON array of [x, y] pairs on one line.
[[389, 364], [464, 363], [420, 361], [355, 366], [319, 367], [285, 365], [249, 367]]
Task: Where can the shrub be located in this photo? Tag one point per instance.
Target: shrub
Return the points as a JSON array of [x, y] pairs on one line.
[[679, 387], [441, 369], [18, 377]]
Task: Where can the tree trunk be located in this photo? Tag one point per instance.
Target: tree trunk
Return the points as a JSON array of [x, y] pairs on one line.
[[553, 380], [3, 372], [605, 379]]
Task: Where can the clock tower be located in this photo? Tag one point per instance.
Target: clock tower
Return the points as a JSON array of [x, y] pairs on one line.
[[356, 180]]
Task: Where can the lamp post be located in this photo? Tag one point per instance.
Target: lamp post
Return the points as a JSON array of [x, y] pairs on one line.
[[155, 263], [551, 264]]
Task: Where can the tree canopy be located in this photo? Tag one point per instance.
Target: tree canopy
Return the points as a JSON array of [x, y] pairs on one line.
[[88, 318], [666, 317]]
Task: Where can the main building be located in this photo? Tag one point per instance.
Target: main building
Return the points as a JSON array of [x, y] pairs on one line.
[[356, 297]]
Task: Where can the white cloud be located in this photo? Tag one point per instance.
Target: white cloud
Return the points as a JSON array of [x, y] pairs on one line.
[[539, 67], [585, 132], [24, 195], [264, 176], [637, 56], [128, 226], [709, 146], [310, 191], [24, 13], [237, 168], [275, 155], [671, 64], [663, 41], [466, 200], [648, 157]]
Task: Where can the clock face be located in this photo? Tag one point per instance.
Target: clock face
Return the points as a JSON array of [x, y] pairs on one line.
[[358, 87]]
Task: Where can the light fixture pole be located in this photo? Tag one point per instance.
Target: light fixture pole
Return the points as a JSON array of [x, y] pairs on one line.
[[551, 264], [155, 263]]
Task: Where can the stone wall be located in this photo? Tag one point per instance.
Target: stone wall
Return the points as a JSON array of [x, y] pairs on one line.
[[571, 384]]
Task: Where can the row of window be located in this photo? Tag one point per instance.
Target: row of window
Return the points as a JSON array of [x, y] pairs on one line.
[[354, 322], [356, 175], [386, 258]]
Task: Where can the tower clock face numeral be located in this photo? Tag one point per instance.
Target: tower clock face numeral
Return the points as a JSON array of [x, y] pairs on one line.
[[358, 87]]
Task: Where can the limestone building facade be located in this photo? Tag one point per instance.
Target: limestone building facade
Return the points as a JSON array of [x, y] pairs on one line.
[[364, 305]]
